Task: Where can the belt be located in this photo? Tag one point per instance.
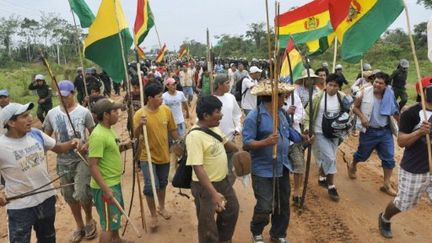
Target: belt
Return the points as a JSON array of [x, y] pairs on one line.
[[379, 128]]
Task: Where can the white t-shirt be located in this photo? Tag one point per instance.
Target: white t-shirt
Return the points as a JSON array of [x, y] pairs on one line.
[[248, 101], [2, 129], [58, 122], [23, 166], [231, 111], [332, 106], [174, 102]]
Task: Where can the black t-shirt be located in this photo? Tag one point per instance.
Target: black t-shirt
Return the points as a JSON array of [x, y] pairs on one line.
[[415, 157]]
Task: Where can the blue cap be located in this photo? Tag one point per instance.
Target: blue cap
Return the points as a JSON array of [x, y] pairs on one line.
[[4, 92], [66, 87]]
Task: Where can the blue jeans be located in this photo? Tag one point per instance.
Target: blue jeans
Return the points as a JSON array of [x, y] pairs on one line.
[[263, 191], [40, 217], [181, 129], [160, 172], [379, 139], [188, 92]]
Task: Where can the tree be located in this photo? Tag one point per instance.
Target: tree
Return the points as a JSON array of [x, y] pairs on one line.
[[426, 3], [256, 33], [7, 30], [420, 34]]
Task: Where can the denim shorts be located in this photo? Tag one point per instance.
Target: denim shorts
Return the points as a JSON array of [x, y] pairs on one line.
[[160, 172], [79, 174], [40, 217], [181, 129]]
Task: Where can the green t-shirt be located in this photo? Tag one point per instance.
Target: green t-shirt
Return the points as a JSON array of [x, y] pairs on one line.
[[205, 85], [102, 145]]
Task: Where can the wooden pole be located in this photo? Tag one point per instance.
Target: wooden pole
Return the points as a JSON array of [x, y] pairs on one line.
[[77, 40], [119, 207], [335, 54], [157, 35], [423, 101], [209, 62]]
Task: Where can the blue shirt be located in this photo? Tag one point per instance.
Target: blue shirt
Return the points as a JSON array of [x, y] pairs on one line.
[[262, 158]]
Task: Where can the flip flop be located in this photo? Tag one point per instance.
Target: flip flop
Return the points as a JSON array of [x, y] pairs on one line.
[[388, 190], [77, 235], [90, 230]]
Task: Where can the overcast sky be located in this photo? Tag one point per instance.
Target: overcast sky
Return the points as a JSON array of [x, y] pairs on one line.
[[177, 20]]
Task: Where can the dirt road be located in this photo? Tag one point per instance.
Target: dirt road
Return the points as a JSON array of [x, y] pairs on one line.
[[352, 219]]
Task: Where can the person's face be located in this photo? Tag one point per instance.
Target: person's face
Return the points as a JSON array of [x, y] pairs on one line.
[[171, 87], [256, 76], [214, 118], [113, 116], [338, 70], [68, 100], [379, 85], [322, 75], [4, 101], [39, 82], [135, 89], [94, 92], [241, 67], [281, 100], [156, 101], [225, 86], [22, 124], [332, 88]]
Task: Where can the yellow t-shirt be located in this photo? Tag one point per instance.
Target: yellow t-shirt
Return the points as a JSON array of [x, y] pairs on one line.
[[159, 123], [203, 149]]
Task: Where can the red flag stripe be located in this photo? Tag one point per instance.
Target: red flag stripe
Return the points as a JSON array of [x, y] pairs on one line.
[[307, 10]]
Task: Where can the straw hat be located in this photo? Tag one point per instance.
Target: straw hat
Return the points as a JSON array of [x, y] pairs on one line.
[[264, 88], [315, 78], [242, 163]]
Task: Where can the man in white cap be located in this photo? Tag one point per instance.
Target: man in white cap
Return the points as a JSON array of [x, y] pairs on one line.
[[249, 101], [44, 93], [339, 72], [398, 81], [57, 122], [24, 168]]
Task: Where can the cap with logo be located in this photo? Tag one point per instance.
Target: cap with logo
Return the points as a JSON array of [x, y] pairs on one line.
[[66, 87]]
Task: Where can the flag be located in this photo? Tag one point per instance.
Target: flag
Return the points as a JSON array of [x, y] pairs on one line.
[[318, 47], [306, 23], [102, 44], [84, 13], [143, 21], [160, 56], [140, 52], [296, 62], [429, 38], [182, 52], [359, 23]]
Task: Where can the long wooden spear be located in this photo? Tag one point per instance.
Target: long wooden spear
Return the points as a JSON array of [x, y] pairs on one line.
[[423, 101]]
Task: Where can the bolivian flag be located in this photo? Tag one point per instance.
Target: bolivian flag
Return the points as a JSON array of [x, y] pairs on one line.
[[182, 52], [102, 44], [143, 21], [160, 56], [306, 23], [296, 62], [359, 23]]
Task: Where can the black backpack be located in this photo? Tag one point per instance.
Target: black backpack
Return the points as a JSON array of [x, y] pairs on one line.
[[183, 175], [238, 94]]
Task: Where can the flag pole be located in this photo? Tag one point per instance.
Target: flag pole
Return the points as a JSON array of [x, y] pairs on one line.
[[274, 101], [80, 53], [157, 35], [423, 101], [209, 62], [335, 53], [361, 67]]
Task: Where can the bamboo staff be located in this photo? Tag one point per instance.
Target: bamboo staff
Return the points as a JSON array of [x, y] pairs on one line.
[[209, 62], [80, 53], [274, 112], [119, 207], [335, 54], [423, 101]]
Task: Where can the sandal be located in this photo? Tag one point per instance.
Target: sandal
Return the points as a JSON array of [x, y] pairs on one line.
[[389, 190], [77, 235], [164, 213], [90, 230]]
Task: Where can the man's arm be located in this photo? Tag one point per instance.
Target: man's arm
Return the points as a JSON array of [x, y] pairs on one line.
[[356, 109], [407, 139], [97, 176], [231, 147], [66, 146]]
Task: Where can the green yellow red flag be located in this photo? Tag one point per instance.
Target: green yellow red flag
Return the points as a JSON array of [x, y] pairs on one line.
[[143, 21], [160, 56], [296, 62], [84, 13], [359, 23], [306, 23], [318, 47], [182, 52], [102, 44]]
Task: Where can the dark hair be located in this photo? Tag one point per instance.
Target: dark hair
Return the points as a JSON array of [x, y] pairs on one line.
[[207, 105], [384, 76], [333, 77], [321, 70], [135, 81], [153, 89]]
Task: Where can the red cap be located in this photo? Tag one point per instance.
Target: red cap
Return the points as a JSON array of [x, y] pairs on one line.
[[426, 82]]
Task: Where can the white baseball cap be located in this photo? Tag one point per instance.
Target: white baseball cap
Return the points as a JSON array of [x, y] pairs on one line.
[[13, 109], [254, 69], [338, 66], [39, 77]]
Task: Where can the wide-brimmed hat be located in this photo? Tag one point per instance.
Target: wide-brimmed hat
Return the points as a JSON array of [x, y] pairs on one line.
[[242, 163], [315, 78], [264, 88]]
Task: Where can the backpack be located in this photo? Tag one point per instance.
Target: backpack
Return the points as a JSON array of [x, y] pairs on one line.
[[183, 175], [238, 94], [335, 125]]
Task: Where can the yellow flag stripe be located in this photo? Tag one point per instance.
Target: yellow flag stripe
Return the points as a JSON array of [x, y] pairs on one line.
[[301, 26]]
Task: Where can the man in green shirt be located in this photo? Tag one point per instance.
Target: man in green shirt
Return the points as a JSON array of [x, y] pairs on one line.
[[106, 169]]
